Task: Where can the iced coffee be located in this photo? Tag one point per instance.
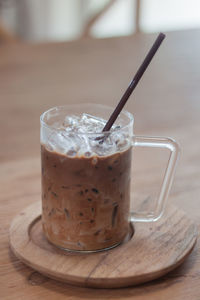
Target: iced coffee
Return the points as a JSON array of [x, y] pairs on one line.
[[85, 183]]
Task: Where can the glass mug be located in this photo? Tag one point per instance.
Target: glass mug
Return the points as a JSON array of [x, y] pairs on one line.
[[86, 198]]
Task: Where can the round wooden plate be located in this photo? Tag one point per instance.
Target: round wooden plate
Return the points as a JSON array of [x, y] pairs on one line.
[[155, 249]]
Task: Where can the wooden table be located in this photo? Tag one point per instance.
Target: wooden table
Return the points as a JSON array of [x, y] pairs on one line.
[[166, 103]]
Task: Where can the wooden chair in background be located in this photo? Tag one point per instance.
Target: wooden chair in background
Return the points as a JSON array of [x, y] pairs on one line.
[[94, 19], [7, 36]]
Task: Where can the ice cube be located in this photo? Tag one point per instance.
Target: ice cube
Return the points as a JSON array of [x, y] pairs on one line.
[[121, 140], [87, 118], [72, 139], [103, 147], [63, 142], [71, 122], [115, 127], [123, 144], [58, 125], [84, 144], [88, 154], [71, 153], [89, 123]]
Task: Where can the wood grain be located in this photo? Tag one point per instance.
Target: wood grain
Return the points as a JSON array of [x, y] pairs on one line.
[[165, 103], [155, 249]]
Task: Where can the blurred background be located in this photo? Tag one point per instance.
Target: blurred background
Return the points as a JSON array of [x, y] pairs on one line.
[[63, 20]]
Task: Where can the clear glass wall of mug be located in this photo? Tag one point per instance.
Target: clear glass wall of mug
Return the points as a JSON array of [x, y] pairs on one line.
[[86, 179]]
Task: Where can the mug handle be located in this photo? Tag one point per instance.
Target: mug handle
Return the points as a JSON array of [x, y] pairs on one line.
[[158, 142]]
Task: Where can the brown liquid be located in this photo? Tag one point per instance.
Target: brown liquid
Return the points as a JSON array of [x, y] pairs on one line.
[[85, 201]]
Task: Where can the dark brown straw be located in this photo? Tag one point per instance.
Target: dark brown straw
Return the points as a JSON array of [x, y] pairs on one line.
[[135, 81]]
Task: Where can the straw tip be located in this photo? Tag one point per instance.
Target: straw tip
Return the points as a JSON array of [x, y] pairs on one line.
[[162, 35]]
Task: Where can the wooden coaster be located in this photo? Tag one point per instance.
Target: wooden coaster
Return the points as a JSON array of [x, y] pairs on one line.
[[155, 249]]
